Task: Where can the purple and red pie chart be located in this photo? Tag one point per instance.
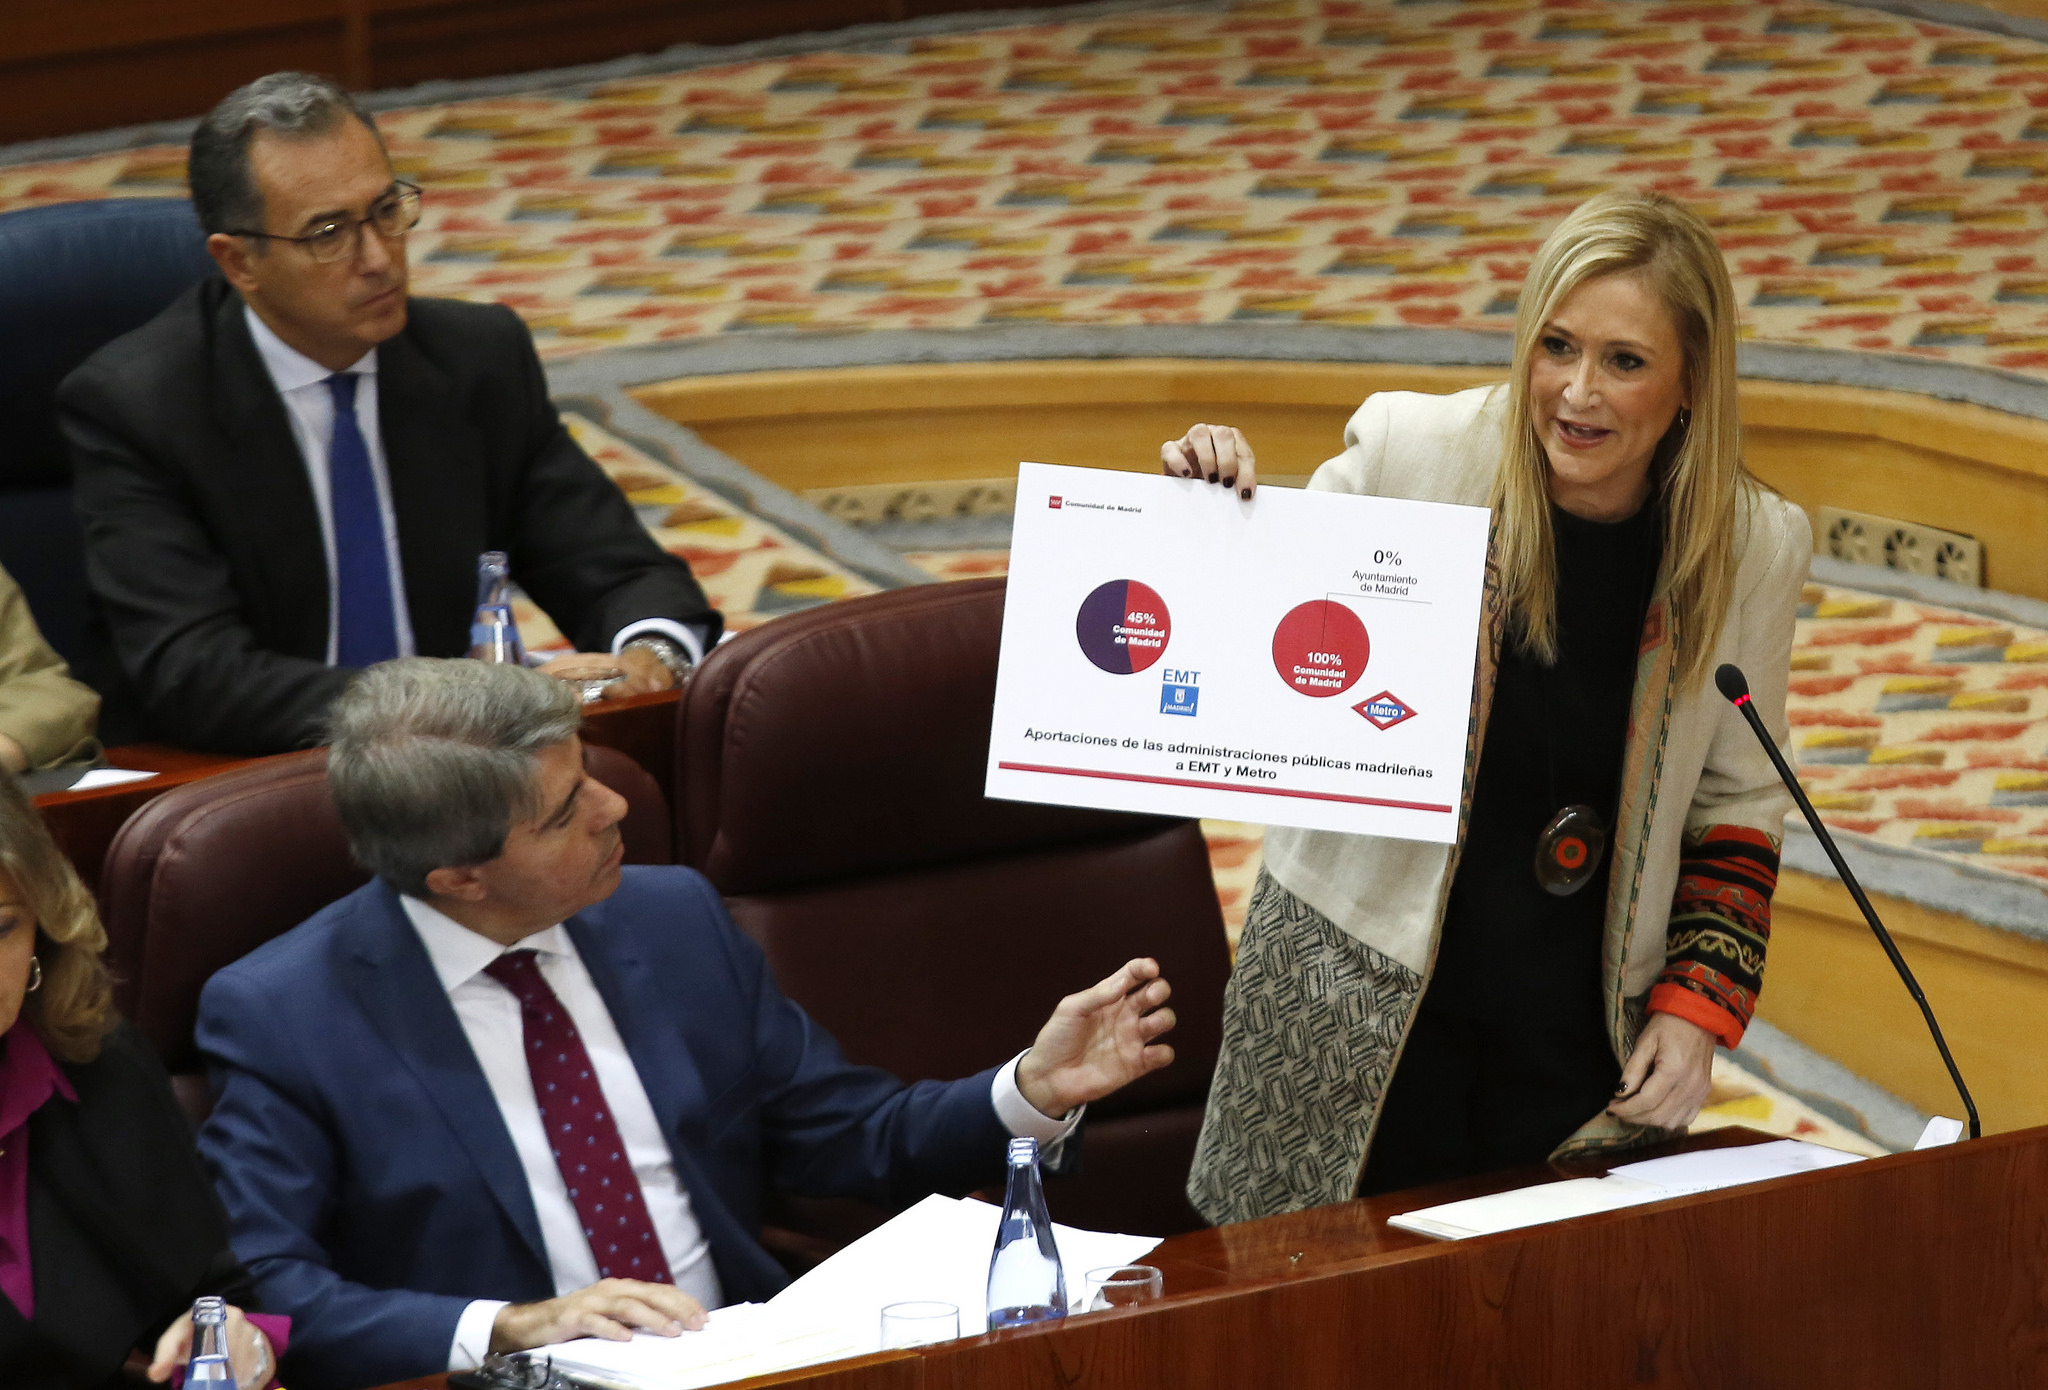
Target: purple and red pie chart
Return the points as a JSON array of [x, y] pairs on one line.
[[1123, 627]]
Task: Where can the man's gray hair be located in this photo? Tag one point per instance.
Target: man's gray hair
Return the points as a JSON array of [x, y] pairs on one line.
[[296, 105], [433, 760]]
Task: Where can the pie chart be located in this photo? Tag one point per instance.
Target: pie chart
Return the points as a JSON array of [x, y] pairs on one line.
[[1320, 649], [1123, 627]]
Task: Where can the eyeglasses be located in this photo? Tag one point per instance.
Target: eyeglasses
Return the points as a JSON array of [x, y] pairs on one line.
[[393, 215]]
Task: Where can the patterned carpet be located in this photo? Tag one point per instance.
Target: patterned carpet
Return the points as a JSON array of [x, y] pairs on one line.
[[1922, 728], [751, 570], [1875, 181]]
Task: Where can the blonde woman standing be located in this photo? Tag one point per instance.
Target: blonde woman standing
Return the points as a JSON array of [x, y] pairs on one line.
[[1404, 1013]]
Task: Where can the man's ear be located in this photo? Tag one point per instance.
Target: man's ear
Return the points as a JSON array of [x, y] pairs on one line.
[[464, 884], [232, 254]]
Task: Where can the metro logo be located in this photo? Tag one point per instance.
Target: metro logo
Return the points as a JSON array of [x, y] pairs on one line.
[[1383, 711]]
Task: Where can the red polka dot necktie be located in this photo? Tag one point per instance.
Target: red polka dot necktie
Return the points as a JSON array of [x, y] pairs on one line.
[[581, 1132]]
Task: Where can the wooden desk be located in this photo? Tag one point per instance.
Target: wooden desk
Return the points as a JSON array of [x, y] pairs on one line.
[[1903, 1273], [643, 727], [85, 823]]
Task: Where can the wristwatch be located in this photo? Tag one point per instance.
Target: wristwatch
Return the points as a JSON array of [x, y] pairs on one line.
[[668, 652]]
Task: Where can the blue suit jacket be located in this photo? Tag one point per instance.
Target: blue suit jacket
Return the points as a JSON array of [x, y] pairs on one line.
[[371, 1186]]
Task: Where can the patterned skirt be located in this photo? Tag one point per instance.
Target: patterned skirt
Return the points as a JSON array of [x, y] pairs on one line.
[[1313, 1021]]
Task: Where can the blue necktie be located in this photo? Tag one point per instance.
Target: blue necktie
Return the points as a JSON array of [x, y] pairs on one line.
[[366, 625]]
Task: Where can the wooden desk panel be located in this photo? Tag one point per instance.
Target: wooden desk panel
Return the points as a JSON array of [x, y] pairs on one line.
[[1905, 1273], [642, 727]]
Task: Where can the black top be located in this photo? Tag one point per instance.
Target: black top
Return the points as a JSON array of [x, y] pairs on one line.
[[202, 540], [124, 1228], [1555, 737]]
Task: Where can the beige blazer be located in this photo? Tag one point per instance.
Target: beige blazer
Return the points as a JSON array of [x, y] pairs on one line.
[[1342, 932], [1390, 894], [41, 708]]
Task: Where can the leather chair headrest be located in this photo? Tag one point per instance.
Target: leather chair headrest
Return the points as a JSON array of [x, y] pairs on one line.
[[853, 739], [208, 872]]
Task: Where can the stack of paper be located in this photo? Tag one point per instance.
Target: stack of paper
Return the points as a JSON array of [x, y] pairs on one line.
[[939, 1249], [1631, 1184], [746, 1339]]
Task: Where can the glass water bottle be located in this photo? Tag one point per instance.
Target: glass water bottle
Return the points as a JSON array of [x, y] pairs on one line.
[[1025, 1284], [493, 636], [209, 1364]]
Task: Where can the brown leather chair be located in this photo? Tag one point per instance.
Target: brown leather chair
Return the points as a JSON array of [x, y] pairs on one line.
[[829, 782], [211, 870]]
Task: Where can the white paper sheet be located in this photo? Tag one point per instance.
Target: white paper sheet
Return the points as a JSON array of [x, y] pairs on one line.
[[1940, 1130], [1709, 1170], [938, 1249], [108, 777], [1529, 1206], [1631, 1184], [1298, 659], [746, 1339]]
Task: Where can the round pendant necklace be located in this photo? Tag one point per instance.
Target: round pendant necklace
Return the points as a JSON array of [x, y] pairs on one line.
[[1569, 851], [1572, 847], [1575, 840]]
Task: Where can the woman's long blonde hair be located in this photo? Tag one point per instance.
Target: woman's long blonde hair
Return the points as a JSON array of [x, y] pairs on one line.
[[73, 1009], [1698, 476]]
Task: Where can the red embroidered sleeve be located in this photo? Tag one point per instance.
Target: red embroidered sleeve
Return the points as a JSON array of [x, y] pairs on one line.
[[1720, 927]]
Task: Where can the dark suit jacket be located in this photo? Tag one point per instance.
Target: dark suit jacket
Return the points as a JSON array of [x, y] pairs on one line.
[[372, 1187], [203, 541], [124, 1231]]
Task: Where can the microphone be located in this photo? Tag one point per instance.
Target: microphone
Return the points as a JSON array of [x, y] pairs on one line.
[[1735, 686]]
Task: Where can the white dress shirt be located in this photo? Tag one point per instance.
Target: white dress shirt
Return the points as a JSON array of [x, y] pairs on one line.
[[490, 1017], [309, 403]]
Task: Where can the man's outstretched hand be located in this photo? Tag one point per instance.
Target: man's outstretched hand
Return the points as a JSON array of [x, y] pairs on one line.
[[1099, 1041]]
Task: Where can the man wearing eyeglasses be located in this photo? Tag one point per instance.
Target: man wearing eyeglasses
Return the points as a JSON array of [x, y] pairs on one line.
[[290, 473]]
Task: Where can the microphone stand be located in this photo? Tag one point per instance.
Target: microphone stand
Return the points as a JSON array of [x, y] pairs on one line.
[[1735, 686]]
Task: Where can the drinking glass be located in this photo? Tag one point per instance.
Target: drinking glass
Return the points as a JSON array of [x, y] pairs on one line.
[[1120, 1286], [919, 1323]]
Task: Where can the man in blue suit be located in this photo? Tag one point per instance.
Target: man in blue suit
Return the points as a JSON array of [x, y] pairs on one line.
[[510, 1093]]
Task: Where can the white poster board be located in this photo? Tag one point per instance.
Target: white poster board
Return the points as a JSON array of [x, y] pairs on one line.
[[1303, 658]]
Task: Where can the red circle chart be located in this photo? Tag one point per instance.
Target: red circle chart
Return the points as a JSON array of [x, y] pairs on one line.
[[1123, 627], [1320, 649]]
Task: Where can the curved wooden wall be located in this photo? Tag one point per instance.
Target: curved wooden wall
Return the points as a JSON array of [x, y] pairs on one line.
[[1961, 467]]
